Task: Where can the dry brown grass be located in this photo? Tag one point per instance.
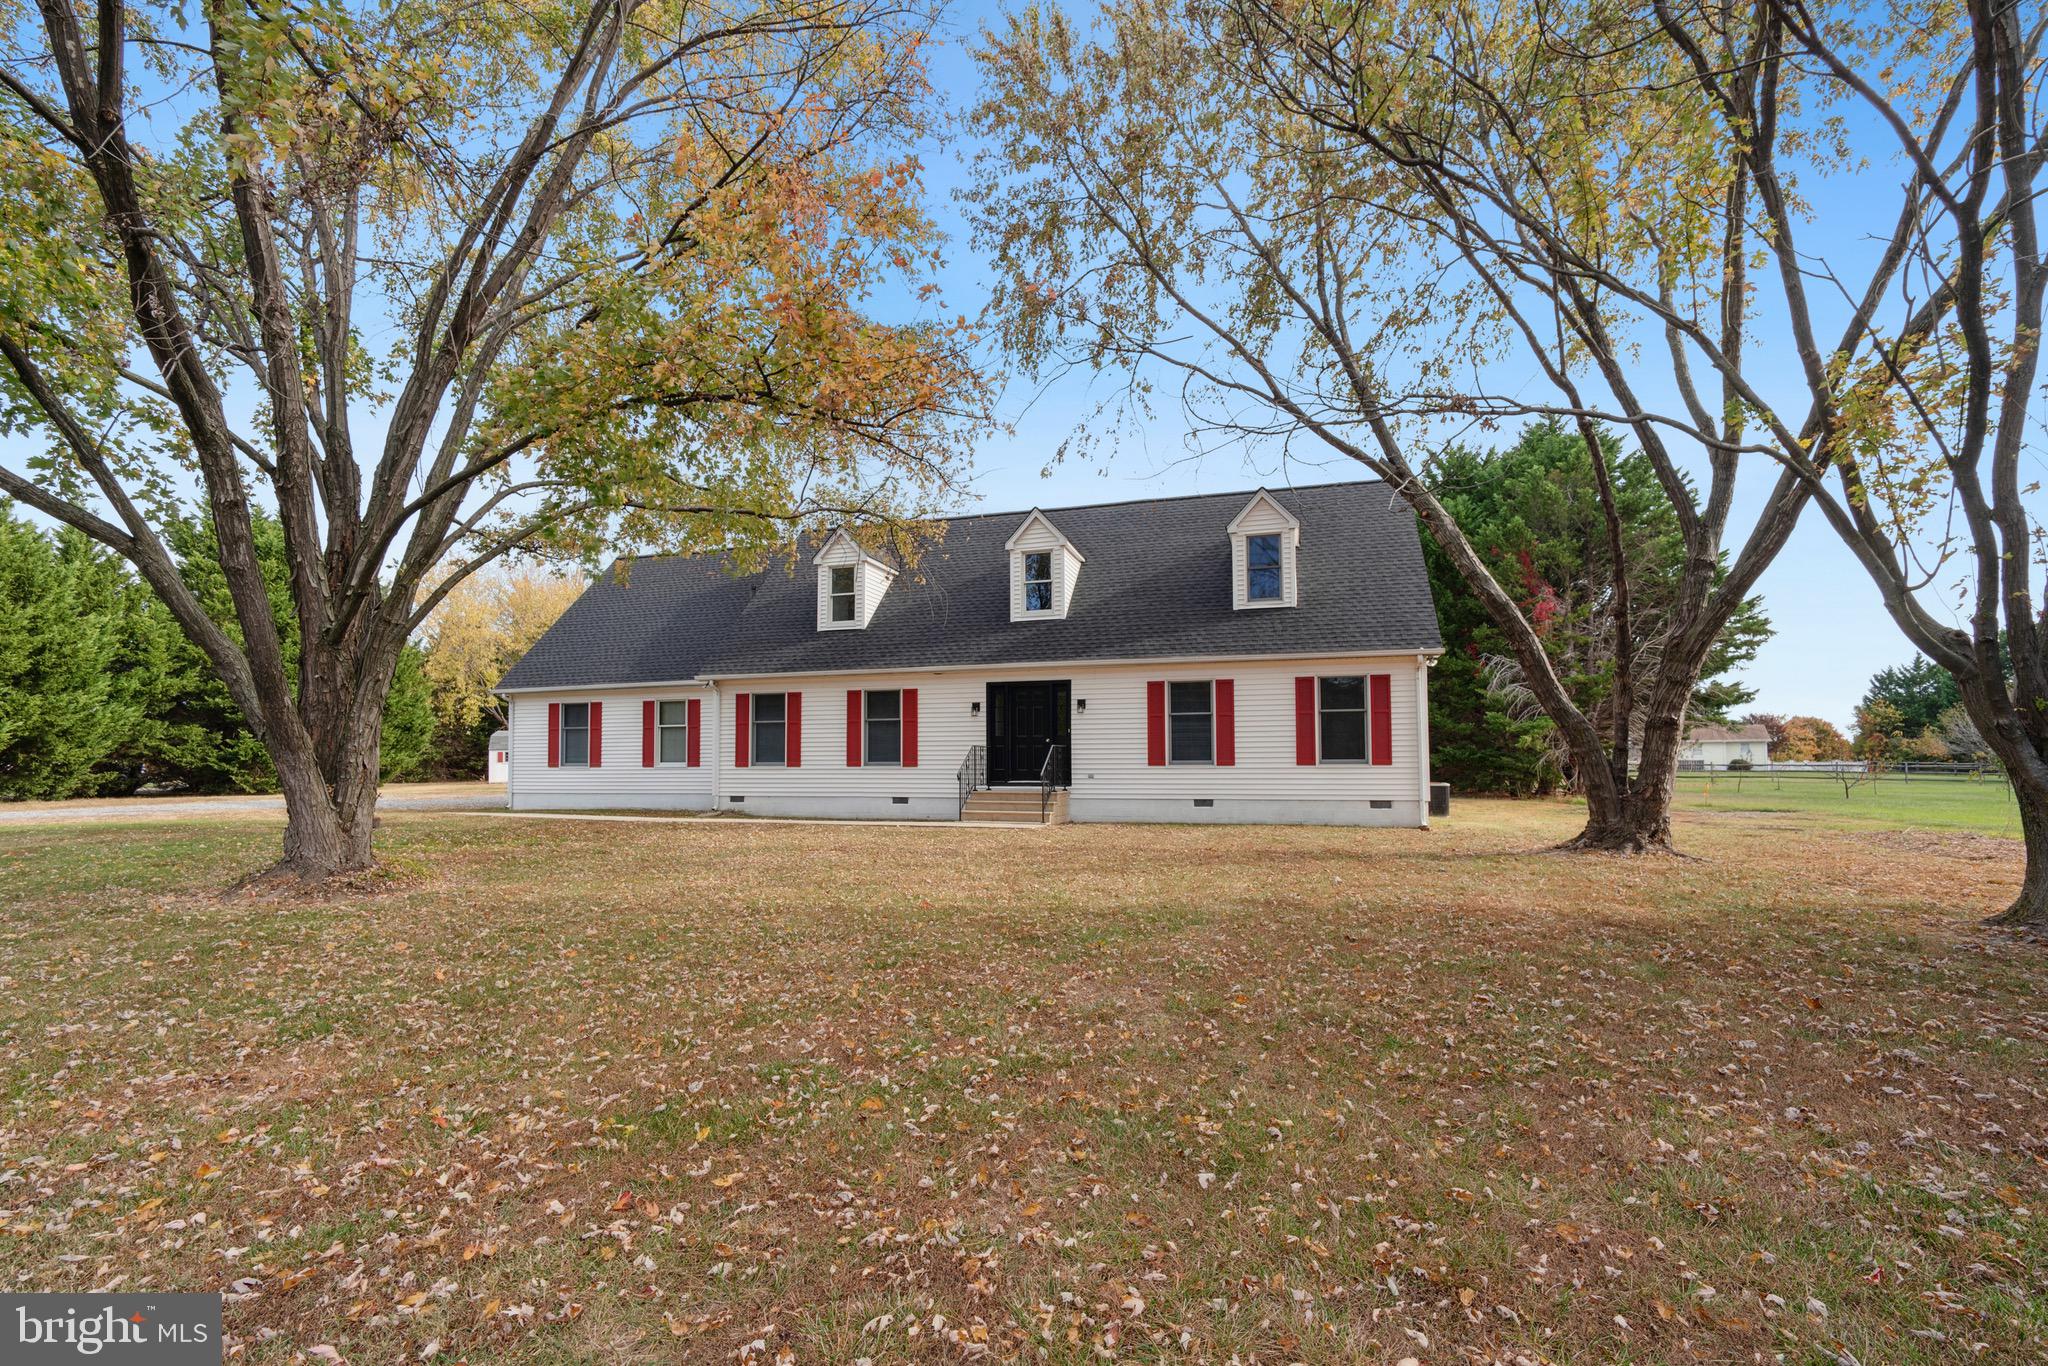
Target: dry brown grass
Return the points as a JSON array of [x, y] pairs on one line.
[[621, 1092]]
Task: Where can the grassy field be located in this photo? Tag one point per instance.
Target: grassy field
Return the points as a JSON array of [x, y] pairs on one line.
[[1889, 803], [557, 1092]]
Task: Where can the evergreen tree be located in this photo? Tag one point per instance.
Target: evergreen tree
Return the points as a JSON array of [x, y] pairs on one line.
[[1918, 692], [1532, 512], [60, 715]]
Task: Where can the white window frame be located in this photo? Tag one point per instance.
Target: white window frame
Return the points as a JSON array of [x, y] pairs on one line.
[[682, 727], [1364, 719], [562, 738], [1050, 601], [867, 733], [833, 595], [1279, 568], [754, 724], [1171, 757]]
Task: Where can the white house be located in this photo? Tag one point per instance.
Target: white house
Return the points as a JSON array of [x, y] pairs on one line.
[[497, 756], [1255, 656], [1719, 746]]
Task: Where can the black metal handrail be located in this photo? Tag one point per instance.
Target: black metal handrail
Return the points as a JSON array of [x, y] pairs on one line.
[[973, 773], [1048, 779]]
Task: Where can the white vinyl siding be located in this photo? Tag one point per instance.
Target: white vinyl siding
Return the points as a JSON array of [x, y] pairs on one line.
[[1108, 737], [1109, 758], [621, 781]]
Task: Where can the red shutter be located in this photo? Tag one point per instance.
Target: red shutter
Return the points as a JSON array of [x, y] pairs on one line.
[[794, 756], [1382, 718], [554, 735], [910, 728], [742, 704], [696, 715], [1155, 724], [1305, 722], [1226, 721], [597, 735], [647, 733], [853, 719]]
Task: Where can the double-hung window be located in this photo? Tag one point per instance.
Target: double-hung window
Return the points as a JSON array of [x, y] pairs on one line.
[[884, 726], [1038, 580], [1341, 702], [1191, 723], [771, 719], [842, 592], [1262, 569], [671, 732], [576, 734]]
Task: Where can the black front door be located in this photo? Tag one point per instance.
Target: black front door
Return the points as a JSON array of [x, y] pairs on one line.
[[1024, 720]]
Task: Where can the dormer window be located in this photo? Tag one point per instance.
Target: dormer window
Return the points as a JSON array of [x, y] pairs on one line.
[[1265, 542], [1262, 568], [851, 583], [1044, 566], [1038, 581], [842, 592]]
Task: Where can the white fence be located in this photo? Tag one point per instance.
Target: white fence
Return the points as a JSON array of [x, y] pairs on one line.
[[1832, 768]]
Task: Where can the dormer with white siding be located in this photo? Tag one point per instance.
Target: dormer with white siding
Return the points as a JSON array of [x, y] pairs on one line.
[[1265, 540], [851, 583], [1044, 566]]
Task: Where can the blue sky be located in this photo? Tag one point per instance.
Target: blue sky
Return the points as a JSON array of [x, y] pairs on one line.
[[1832, 631]]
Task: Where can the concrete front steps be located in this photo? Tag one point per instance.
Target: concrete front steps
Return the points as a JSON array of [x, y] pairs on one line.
[[1013, 806]]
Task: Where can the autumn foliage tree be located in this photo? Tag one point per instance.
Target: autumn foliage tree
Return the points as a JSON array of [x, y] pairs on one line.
[[1343, 227], [1810, 739], [479, 630], [1928, 396], [434, 281]]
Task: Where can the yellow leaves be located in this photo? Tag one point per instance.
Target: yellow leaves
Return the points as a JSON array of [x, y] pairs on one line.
[[730, 1179], [484, 624], [873, 1103]]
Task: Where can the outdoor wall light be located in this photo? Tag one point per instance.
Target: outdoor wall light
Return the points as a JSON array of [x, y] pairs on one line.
[[1080, 704], [974, 708]]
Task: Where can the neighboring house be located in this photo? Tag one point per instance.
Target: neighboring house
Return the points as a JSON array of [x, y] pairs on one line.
[[497, 758], [1719, 746], [1240, 657]]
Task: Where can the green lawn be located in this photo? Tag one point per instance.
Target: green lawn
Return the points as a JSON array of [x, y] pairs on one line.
[[1890, 803]]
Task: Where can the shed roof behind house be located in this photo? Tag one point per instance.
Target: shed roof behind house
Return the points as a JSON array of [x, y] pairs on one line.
[[1156, 584], [1755, 733]]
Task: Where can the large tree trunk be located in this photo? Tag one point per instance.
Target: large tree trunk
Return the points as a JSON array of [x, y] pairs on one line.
[[330, 793], [2029, 911], [1632, 814], [2024, 754]]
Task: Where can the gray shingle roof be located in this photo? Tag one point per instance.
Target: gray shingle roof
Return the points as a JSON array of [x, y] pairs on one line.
[[1156, 585]]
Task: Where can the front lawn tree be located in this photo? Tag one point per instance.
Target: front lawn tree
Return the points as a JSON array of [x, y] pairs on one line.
[[1358, 231], [434, 282], [1935, 397]]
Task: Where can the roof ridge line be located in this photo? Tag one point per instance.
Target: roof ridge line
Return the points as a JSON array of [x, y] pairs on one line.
[[1077, 507]]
